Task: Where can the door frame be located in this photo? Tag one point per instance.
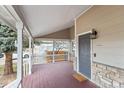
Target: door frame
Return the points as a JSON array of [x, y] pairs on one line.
[[77, 52]]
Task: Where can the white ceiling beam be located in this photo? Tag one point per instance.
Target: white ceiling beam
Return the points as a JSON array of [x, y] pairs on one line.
[[6, 22], [12, 13], [20, 15]]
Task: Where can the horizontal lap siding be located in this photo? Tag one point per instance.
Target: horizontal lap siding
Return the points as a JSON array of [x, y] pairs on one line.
[[109, 23]]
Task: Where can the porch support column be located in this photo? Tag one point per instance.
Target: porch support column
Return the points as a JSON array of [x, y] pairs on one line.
[[32, 52], [53, 52], [69, 50], [19, 27], [71, 53], [30, 55]]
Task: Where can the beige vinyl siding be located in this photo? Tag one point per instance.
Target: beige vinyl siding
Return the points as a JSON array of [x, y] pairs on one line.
[[109, 23], [72, 33], [63, 34]]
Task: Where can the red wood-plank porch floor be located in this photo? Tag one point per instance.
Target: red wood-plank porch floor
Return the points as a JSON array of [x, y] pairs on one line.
[[57, 75]]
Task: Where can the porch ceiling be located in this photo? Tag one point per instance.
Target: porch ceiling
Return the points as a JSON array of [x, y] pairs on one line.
[[45, 19]]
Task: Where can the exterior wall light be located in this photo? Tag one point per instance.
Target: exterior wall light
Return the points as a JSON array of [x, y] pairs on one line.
[[94, 34]]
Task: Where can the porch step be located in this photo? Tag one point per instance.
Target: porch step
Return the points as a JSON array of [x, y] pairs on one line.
[[79, 77]]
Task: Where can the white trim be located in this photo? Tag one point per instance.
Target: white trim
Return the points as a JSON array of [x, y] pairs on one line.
[[84, 11], [12, 12], [4, 20], [91, 52], [30, 55], [84, 33], [28, 32], [75, 63], [19, 27], [32, 46], [15, 14], [69, 50], [9, 10], [53, 52], [77, 51], [75, 28], [15, 84], [77, 54], [50, 39]]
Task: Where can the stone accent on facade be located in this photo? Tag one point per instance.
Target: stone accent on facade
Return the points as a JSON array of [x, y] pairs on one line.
[[107, 76]]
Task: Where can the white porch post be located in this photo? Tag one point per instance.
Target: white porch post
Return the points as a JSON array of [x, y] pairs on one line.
[[69, 49], [53, 52], [70, 44], [32, 52], [19, 27], [30, 55]]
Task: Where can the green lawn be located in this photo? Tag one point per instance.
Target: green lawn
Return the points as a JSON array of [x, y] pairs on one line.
[[2, 68]]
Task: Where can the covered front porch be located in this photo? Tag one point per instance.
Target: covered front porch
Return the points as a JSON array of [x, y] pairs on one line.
[[53, 65]]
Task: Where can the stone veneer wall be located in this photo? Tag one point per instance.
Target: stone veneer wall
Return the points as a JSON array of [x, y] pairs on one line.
[[107, 76]]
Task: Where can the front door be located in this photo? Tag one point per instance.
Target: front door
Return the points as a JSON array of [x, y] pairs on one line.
[[85, 55]]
